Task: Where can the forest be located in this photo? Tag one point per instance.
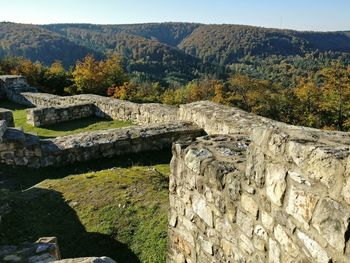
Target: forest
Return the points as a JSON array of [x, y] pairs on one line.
[[302, 78]]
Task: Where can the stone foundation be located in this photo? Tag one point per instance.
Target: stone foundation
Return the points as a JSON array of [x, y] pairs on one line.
[[28, 150], [105, 107], [51, 115]]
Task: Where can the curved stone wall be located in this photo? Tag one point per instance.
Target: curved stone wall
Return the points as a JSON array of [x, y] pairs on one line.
[[263, 192]]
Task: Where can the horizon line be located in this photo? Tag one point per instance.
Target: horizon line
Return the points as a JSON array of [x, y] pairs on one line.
[[175, 22]]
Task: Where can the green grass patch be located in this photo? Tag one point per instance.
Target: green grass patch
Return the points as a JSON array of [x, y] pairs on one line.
[[61, 129], [117, 212]]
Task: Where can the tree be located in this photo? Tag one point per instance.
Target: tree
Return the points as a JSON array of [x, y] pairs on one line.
[[335, 102], [92, 76], [56, 79], [309, 98]]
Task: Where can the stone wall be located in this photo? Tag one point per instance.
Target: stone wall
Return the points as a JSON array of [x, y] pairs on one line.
[[7, 115], [254, 190], [43, 116], [3, 128], [23, 149], [12, 85], [105, 107], [262, 193]]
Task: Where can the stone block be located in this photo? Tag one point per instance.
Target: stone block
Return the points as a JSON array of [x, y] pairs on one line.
[[318, 254], [201, 208], [267, 220], [301, 205], [274, 252], [227, 247], [260, 232], [245, 222], [246, 244], [249, 205], [275, 183], [194, 157], [285, 241], [331, 220]]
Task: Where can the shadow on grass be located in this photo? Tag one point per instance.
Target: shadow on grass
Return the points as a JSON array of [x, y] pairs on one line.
[[42, 212], [11, 105], [75, 124], [21, 178]]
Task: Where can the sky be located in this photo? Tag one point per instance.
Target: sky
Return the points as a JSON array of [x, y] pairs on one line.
[[316, 15]]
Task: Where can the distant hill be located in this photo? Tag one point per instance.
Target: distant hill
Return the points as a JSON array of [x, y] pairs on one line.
[[39, 44], [226, 44], [142, 52], [168, 33], [179, 51]]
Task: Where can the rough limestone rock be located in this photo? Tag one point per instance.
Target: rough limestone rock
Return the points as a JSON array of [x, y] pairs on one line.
[[23, 149], [43, 116], [282, 197], [43, 250]]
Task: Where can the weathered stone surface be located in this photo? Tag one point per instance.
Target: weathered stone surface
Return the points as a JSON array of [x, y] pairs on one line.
[[51, 115], [316, 251], [194, 157], [3, 128], [246, 223], [346, 191], [246, 244], [298, 178], [42, 251], [286, 242], [207, 246], [201, 208], [260, 232], [27, 150], [275, 183], [331, 220], [274, 252], [249, 205], [301, 205], [267, 220], [227, 247], [7, 116]]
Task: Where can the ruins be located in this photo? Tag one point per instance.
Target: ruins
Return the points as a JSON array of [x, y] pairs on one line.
[[243, 188]]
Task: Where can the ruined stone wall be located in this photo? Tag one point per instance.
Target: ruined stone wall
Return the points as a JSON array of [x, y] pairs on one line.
[[21, 149], [105, 107], [3, 128], [7, 116], [43, 116], [262, 193], [255, 190]]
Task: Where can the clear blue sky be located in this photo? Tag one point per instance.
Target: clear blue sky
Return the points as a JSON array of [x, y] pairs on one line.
[[295, 14]]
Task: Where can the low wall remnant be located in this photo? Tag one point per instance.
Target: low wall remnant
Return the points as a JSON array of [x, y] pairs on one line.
[[44, 116]]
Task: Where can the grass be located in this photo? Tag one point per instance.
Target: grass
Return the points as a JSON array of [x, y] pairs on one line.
[[61, 129], [95, 209], [108, 207]]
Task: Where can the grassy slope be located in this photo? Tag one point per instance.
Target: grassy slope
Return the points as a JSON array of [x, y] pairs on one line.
[[118, 212], [61, 129]]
